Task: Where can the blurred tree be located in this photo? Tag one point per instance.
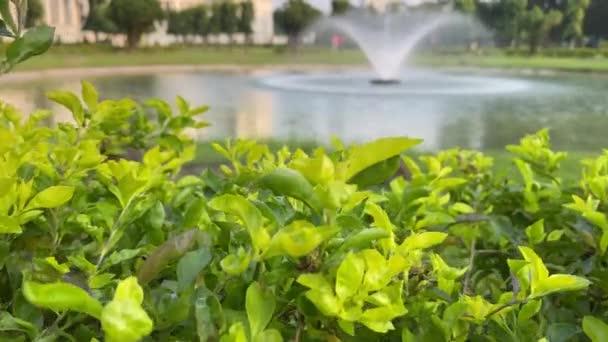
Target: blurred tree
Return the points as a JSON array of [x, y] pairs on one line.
[[466, 6], [200, 21], [134, 18], [215, 22], [339, 7], [245, 21], [595, 22], [505, 17], [178, 23], [228, 19], [537, 25], [293, 17], [97, 21], [35, 13], [575, 20]]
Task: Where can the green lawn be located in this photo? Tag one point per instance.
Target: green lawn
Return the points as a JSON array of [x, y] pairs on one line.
[[90, 56], [104, 56]]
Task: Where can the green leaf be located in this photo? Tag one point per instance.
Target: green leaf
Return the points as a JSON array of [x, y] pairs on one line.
[[407, 336], [208, 313], [555, 235], [377, 275], [270, 335], [166, 253], [34, 42], [99, 281], [190, 265], [61, 297], [595, 329], [9, 225], [364, 156], [193, 215], [52, 197], [559, 283], [70, 101], [349, 276], [90, 95], [235, 264], [299, 239], [347, 327], [539, 271], [247, 213], [382, 221], [377, 173], [422, 241], [61, 268], [536, 232], [123, 319], [363, 238], [236, 333], [10, 323], [528, 311], [326, 302], [291, 183], [121, 256], [129, 289], [315, 281], [260, 306], [317, 170], [156, 216]]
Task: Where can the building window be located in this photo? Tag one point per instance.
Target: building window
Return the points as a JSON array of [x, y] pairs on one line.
[[67, 11]]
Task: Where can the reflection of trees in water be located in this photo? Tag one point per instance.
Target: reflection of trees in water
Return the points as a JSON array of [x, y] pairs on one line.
[[572, 127], [139, 87], [457, 133]]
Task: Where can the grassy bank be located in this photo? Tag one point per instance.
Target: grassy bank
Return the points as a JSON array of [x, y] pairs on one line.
[[90, 56], [103, 56], [592, 64]]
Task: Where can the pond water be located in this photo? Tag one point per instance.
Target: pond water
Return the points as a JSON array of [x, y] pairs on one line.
[[469, 109]]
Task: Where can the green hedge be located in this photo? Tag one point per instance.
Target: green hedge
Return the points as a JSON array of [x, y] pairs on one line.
[[103, 237], [561, 52]]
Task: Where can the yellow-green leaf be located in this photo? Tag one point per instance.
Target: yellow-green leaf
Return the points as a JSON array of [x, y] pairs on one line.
[[536, 232], [349, 276], [559, 283], [260, 305], [61, 297], [52, 197], [595, 329], [363, 156]]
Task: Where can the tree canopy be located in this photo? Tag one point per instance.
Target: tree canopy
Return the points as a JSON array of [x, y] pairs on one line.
[[293, 17], [134, 17]]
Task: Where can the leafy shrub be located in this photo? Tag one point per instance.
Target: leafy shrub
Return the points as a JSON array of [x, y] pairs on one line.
[[102, 237]]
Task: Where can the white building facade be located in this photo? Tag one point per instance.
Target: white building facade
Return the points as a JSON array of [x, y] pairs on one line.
[[69, 16]]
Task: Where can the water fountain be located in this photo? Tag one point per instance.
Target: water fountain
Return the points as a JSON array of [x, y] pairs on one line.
[[388, 39]]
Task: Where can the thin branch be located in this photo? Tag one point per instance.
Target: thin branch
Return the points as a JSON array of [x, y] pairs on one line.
[[467, 278], [298, 336]]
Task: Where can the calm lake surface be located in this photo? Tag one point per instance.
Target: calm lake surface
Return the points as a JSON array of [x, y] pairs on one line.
[[487, 110]]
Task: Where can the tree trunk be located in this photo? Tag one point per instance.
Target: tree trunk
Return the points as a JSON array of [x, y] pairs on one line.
[[133, 39], [534, 42], [292, 42]]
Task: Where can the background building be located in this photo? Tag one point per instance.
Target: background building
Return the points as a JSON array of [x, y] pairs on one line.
[[69, 16]]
